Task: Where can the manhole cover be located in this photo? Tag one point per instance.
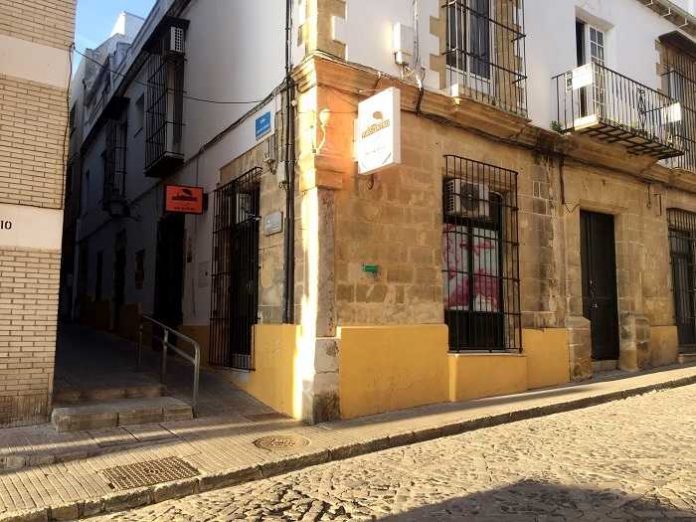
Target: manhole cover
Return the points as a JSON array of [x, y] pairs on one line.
[[281, 442], [149, 473]]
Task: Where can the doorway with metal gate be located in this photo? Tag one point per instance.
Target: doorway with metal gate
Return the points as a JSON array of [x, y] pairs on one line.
[[234, 306], [682, 245], [599, 293]]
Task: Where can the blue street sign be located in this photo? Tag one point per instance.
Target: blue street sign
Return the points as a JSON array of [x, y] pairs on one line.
[[263, 125]]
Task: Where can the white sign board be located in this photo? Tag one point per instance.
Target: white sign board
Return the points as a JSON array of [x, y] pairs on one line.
[[583, 76], [378, 140], [30, 227]]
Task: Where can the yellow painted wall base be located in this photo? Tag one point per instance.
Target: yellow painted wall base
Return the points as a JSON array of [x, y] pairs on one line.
[[391, 368], [548, 357], [664, 345], [472, 376], [275, 355]]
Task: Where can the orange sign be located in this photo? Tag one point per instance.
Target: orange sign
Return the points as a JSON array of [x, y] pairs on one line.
[[183, 199]]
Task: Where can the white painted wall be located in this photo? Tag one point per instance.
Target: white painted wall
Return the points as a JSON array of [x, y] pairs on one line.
[[235, 51], [367, 32]]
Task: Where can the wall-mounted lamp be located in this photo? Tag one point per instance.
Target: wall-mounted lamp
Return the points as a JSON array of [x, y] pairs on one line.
[[324, 117]]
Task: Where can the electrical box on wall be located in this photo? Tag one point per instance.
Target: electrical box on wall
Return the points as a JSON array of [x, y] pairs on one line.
[[403, 38]]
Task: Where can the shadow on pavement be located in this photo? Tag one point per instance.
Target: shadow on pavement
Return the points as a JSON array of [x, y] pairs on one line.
[[530, 500]]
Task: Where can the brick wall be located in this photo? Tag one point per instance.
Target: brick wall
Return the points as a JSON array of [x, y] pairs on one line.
[[29, 283], [33, 119], [47, 22]]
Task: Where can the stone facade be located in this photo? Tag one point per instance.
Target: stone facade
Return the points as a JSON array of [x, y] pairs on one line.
[[394, 220], [34, 75]]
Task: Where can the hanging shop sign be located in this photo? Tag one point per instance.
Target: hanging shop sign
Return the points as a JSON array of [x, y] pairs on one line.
[[378, 140], [183, 199]]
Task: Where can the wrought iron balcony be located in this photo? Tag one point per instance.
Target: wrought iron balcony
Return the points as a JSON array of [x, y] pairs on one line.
[[609, 106], [165, 98]]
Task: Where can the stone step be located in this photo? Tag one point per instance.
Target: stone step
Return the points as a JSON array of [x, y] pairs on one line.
[[687, 358], [605, 366], [121, 412], [74, 395]]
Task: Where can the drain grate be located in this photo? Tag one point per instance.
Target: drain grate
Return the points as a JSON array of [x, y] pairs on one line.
[[148, 473]]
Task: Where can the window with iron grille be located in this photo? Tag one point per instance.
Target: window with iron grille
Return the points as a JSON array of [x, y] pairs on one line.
[[114, 161], [679, 82], [164, 100], [485, 51], [480, 256], [234, 306], [72, 119], [682, 243]]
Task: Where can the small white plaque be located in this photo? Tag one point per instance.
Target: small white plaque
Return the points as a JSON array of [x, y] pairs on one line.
[[273, 223]]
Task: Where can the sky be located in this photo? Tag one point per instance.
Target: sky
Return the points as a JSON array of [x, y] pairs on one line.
[[96, 18]]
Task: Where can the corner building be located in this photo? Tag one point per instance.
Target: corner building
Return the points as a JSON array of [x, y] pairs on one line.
[[538, 228]]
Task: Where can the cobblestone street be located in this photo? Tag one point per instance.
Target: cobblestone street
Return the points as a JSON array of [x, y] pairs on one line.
[[626, 460]]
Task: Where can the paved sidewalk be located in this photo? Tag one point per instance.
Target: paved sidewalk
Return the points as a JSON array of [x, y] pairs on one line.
[[627, 460], [231, 448]]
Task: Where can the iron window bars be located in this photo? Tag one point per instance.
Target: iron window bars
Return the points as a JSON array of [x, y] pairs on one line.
[[602, 103], [234, 307], [485, 52], [679, 82], [682, 243], [480, 256], [114, 192], [165, 98]]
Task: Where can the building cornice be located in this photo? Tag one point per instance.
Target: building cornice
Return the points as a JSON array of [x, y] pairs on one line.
[[681, 18], [358, 82]]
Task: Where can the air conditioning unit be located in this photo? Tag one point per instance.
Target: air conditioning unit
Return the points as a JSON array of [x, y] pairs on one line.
[[176, 40], [466, 199], [244, 210]]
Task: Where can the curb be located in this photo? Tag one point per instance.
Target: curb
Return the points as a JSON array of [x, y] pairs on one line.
[[141, 497]]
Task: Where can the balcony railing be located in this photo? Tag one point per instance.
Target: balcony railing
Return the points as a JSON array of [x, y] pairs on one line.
[[165, 99], [609, 106]]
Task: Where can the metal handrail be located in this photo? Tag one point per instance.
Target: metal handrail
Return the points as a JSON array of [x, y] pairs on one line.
[[164, 340]]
